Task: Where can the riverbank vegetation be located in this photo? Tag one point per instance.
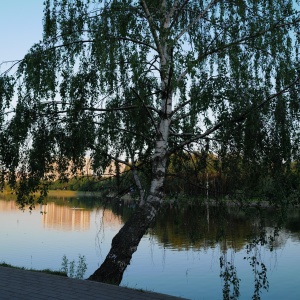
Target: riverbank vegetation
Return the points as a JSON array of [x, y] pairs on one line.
[[69, 268], [47, 271]]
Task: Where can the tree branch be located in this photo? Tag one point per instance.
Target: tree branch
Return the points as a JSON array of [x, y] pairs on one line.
[[128, 131], [173, 9], [152, 28], [238, 119], [94, 109], [150, 115], [178, 13], [183, 104], [16, 62], [113, 157], [226, 46], [136, 177]]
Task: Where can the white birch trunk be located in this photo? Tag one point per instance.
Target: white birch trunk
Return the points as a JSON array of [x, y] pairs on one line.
[[125, 243]]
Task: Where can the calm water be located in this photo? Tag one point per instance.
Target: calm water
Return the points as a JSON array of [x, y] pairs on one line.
[[179, 256]]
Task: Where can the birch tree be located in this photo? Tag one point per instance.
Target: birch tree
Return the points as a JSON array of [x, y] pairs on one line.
[[135, 82]]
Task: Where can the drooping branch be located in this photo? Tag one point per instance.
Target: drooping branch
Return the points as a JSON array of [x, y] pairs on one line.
[[103, 37], [147, 109], [135, 41], [172, 11], [15, 63], [238, 119], [197, 137], [199, 17], [183, 104], [178, 12], [87, 41], [112, 157], [234, 43], [128, 131], [184, 134]]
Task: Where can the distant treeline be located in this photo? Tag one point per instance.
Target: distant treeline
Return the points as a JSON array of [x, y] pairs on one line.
[[202, 175], [80, 183]]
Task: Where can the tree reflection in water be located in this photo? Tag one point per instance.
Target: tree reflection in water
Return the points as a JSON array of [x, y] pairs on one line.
[[184, 226], [200, 227], [233, 229]]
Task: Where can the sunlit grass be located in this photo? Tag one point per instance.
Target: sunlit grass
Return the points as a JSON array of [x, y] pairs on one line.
[[62, 193]]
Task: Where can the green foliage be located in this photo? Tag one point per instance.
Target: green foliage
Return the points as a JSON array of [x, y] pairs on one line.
[[72, 269], [231, 289], [77, 184], [137, 81]]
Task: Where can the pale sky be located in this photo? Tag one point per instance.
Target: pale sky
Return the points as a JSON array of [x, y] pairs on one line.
[[21, 24]]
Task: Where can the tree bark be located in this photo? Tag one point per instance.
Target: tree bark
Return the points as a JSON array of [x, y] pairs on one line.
[[125, 243]]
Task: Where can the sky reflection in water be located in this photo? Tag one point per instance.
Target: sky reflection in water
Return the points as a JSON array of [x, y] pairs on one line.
[[179, 256]]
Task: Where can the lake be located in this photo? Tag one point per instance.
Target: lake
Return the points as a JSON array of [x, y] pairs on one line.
[[180, 255]]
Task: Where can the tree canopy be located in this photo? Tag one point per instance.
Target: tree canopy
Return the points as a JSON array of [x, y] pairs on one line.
[[137, 81], [110, 76]]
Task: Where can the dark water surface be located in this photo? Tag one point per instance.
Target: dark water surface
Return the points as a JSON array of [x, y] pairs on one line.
[[180, 256]]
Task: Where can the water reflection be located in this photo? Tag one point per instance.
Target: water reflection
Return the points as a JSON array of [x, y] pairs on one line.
[[8, 206], [184, 254], [231, 228], [65, 218]]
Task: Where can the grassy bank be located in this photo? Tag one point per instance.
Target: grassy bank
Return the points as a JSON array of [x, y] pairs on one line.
[[47, 271]]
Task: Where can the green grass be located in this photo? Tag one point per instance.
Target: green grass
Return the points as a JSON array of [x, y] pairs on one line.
[[47, 271]]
